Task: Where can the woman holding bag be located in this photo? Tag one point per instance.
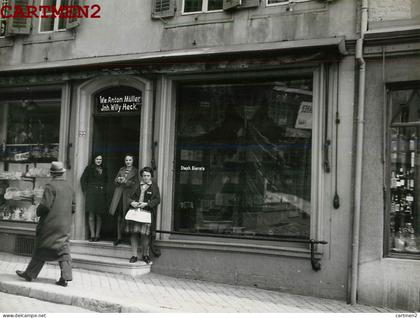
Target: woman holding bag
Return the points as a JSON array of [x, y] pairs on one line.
[[146, 197], [126, 182]]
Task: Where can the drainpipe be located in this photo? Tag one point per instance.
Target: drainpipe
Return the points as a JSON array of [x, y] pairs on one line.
[[359, 152]]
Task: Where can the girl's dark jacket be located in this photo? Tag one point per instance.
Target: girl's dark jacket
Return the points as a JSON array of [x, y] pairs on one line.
[[151, 197], [94, 187]]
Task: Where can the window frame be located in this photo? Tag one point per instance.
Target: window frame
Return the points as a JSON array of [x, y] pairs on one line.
[[391, 87], [56, 21], [166, 156], [204, 8]]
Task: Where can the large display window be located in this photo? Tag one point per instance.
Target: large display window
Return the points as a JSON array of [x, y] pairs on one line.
[[243, 158], [403, 218], [29, 136]]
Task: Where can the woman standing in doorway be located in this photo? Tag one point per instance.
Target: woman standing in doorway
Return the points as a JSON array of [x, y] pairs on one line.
[[93, 182], [146, 197], [126, 182]]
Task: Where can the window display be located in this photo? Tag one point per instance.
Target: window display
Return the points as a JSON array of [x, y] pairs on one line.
[[404, 220], [243, 158], [29, 138], [3, 23]]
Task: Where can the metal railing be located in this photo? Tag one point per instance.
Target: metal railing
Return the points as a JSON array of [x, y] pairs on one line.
[[316, 265]]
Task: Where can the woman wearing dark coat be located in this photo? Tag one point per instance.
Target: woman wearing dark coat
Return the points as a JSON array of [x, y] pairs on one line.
[[93, 183], [52, 236], [147, 197], [125, 182]]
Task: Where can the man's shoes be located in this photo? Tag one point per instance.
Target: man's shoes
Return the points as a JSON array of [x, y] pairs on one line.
[[116, 242], [24, 275], [146, 259], [133, 259], [92, 239], [61, 282], [96, 239]]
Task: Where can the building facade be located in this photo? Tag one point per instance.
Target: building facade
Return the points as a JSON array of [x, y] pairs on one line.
[[250, 114], [389, 227]]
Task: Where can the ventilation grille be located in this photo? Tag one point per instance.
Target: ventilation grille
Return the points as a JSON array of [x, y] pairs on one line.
[[24, 245]]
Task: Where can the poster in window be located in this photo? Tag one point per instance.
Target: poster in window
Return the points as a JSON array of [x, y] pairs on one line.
[[304, 118]]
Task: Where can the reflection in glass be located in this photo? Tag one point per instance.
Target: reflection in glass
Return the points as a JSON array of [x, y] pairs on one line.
[[243, 158]]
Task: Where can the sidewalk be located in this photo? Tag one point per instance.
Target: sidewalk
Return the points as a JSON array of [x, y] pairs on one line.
[[105, 292]]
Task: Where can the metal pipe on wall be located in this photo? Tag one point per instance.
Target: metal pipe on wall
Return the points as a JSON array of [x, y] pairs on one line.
[[359, 153]]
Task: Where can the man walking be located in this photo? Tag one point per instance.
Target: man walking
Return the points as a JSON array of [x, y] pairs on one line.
[[52, 240]]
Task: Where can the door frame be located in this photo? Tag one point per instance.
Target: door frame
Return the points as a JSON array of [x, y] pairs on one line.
[[84, 132]]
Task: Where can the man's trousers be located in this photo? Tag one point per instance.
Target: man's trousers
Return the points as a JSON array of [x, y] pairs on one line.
[[35, 267]]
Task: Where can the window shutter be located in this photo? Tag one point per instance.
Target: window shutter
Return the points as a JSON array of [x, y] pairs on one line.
[[19, 25], [72, 23], [231, 4], [163, 8]]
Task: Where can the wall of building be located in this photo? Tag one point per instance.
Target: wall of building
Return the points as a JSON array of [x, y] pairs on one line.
[[388, 13], [126, 27], [383, 281]]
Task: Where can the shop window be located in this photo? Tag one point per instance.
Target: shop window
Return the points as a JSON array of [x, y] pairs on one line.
[[3, 23], [29, 136], [56, 23], [193, 6], [243, 158], [403, 217]]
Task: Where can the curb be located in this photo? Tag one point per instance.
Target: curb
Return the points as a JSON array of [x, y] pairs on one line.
[[71, 298]]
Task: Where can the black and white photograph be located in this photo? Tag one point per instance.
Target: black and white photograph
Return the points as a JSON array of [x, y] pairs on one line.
[[209, 157]]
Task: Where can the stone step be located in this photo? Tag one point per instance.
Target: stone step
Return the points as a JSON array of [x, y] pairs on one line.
[[109, 264], [102, 248]]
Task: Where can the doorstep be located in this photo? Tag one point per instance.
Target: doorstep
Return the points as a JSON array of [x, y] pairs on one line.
[[104, 257]]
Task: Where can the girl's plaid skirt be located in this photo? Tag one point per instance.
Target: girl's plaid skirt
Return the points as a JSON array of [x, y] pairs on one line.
[[137, 227]]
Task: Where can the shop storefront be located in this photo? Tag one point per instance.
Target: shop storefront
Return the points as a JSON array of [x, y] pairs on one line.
[[246, 160], [390, 229], [242, 158]]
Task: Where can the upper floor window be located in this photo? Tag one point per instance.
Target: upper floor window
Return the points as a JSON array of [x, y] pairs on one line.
[[3, 21], [281, 2], [56, 23], [193, 6], [403, 216]]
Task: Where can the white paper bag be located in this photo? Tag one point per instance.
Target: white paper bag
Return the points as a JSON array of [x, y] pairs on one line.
[[139, 215]]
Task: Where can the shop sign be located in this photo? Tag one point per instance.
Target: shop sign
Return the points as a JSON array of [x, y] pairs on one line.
[[118, 101]]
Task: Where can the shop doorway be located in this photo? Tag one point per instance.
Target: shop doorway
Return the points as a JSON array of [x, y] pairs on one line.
[[115, 136]]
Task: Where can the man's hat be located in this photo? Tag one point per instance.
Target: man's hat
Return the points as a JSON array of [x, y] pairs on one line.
[[57, 167]]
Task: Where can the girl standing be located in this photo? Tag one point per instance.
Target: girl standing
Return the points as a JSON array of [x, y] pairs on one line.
[[146, 197], [126, 182], [93, 183]]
